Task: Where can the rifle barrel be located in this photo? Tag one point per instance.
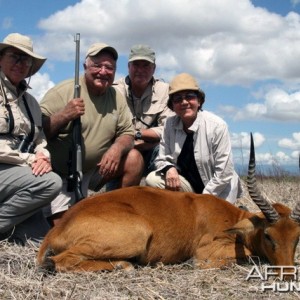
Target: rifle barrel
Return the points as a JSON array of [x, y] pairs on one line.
[[75, 165]]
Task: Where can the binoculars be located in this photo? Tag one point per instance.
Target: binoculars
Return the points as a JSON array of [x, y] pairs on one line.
[[26, 146]]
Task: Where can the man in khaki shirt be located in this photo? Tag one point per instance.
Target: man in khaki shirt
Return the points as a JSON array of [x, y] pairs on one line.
[[147, 99], [107, 131]]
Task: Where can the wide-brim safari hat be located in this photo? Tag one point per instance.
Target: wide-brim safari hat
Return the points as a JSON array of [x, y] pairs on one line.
[[24, 43]]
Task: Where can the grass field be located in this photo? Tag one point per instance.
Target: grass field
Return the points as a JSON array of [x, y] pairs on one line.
[[21, 279]]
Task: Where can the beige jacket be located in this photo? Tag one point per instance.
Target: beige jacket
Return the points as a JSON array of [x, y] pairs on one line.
[[9, 143], [212, 151], [149, 111]]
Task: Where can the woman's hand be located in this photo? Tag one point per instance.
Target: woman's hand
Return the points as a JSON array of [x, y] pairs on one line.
[[172, 180], [41, 164]]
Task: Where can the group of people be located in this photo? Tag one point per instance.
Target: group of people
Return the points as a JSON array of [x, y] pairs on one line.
[[132, 128]]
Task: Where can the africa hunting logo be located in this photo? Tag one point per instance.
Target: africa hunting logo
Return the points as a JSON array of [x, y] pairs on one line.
[[284, 278]]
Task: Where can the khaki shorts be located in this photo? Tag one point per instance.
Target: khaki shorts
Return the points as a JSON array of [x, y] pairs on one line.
[[157, 179], [66, 199]]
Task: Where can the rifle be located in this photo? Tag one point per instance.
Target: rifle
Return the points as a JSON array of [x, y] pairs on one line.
[[75, 154]]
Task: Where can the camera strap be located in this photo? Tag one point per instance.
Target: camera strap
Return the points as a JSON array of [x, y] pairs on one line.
[[128, 82], [31, 134]]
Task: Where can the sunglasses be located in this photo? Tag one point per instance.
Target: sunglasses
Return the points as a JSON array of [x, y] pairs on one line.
[[15, 58], [180, 97]]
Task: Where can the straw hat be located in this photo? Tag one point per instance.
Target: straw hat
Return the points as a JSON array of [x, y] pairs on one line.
[[24, 43]]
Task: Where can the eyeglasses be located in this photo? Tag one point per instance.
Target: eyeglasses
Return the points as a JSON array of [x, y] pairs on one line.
[[180, 97], [98, 67], [15, 58]]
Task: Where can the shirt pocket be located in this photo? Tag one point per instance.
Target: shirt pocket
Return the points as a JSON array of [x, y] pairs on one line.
[[151, 115]]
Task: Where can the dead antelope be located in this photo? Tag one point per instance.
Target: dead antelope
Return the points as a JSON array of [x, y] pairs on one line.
[[145, 225]]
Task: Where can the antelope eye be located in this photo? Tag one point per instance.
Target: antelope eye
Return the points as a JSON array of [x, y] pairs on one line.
[[268, 238]]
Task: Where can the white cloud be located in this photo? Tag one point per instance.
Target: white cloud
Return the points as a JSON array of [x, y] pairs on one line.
[[265, 158], [278, 105], [40, 84], [295, 154], [241, 144], [295, 2], [241, 149], [293, 144], [206, 38], [282, 157], [283, 106], [276, 160], [242, 140]]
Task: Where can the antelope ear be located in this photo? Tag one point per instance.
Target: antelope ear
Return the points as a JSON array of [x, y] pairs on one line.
[[246, 226]]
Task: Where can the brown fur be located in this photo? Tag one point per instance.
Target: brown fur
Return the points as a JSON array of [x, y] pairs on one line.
[[147, 225]]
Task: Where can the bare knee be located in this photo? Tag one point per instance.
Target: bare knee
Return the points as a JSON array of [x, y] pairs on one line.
[[133, 168]]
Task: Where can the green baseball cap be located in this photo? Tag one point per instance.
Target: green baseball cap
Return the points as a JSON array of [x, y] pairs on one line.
[[142, 52]]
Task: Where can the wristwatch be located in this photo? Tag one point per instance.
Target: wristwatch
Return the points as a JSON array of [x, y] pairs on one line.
[[138, 135]]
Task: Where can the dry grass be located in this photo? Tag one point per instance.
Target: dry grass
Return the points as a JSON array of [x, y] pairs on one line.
[[21, 279]]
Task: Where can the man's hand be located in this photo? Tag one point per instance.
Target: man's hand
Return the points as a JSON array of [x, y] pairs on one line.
[[74, 109], [52, 124], [109, 164]]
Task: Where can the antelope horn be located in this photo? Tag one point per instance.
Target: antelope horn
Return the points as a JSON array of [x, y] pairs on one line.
[[295, 214], [267, 209]]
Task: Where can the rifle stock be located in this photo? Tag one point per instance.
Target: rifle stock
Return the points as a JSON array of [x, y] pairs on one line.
[[75, 155]]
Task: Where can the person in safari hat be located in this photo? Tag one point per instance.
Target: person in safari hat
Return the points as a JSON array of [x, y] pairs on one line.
[[195, 151], [147, 100], [107, 131], [25, 45], [27, 182]]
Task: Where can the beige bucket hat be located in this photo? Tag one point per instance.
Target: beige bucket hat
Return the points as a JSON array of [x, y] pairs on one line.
[[24, 43], [184, 82]]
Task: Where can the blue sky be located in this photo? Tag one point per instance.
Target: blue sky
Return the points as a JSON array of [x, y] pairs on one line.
[[245, 55]]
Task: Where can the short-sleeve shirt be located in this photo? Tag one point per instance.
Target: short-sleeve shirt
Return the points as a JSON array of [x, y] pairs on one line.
[[106, 118]]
